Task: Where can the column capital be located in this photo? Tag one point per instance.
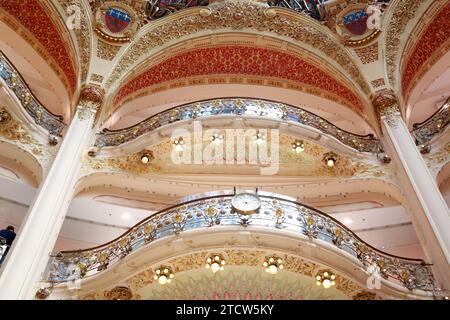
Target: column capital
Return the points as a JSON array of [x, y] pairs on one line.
[[387, 106], [90, 101]]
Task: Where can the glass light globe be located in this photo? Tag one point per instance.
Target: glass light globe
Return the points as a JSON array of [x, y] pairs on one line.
[[273, 269], [326, 283], [330, 163], [215, 267], [179, 147], [162, 279]]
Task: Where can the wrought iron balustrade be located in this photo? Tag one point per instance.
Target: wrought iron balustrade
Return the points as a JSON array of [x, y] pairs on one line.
[[308, 7], [155, 9], [238, 107], [214, 210], [426, 130], [52, 123]]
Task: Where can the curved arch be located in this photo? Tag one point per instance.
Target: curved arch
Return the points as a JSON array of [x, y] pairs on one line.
[[231, 110], [428, 43], [222, 16], [230, 63], [144, 107], [40, 26], [21, 162], [186, 219]]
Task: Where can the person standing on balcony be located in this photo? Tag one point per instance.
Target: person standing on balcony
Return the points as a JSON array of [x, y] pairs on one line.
[[7, 237]]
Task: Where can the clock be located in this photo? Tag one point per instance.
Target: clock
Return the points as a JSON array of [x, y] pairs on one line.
[[246, 203]]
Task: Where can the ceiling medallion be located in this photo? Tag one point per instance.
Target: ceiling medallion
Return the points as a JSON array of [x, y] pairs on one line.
[[116, 22], [358, 24]]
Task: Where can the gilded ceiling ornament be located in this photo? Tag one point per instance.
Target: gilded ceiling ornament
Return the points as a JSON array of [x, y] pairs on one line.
[[90, 101], [250, 15], [386, 105], [97, 78], [365, 295], [107, 51], [119, 293], [368, 54], [403, 11], [378, 83]]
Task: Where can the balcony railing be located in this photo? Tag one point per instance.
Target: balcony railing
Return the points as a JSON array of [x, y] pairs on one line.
[[238, 107], [214, 210], [308, 7], [426, 130], [155, 9], [52, 123]]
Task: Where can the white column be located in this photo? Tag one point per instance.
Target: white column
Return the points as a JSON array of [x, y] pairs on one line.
[[430, 214], [29, 254]]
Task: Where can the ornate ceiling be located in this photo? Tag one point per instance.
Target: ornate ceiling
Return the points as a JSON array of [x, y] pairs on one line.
[[238, 61], [430, 43], [157, 49], [42, 25]]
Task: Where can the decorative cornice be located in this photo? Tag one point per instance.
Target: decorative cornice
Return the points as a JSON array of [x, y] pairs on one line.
[[238, 16]]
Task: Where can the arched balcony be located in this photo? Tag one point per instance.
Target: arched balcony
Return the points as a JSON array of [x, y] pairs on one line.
[[278, 224]]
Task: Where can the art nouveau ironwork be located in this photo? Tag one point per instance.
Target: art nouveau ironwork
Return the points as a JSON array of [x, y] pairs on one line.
[[196, 214], [156, 9], [238, 107], [8, 73], [426, 130]]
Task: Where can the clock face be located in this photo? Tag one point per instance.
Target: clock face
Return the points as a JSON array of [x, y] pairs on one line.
[[246, 203]]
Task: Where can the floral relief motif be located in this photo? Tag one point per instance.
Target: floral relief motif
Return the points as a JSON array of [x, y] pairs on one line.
[[378, 83], [33, 16], [368, 54], [238, 60], [107, 51]]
